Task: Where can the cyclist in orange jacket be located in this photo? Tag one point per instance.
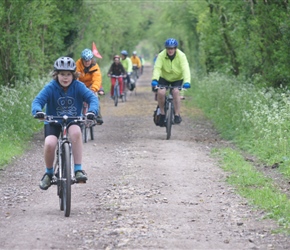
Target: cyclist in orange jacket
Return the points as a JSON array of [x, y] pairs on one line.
[[90, 74]]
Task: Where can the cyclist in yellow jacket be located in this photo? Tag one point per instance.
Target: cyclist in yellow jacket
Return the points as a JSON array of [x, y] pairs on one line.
[[171, 69], [90, 74], [136, 62]]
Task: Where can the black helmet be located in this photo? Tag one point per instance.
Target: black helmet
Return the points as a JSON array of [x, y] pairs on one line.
[[65, 63]]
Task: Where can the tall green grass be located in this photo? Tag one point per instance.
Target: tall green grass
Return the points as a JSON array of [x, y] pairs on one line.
[[256, 119], [17, 124]]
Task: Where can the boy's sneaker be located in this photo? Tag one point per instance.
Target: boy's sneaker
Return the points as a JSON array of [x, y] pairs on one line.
[[177, 119], [161, 122], [81, 176], [45, 182]]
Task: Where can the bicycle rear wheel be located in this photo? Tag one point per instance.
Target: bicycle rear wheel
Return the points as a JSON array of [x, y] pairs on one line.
[[169, 116], [85, 132], [65, 182]]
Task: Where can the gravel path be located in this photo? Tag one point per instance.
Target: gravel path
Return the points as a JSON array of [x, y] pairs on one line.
[[143, 192]]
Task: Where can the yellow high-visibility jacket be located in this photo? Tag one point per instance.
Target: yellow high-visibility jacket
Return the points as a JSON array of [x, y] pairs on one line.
[[174, 70]]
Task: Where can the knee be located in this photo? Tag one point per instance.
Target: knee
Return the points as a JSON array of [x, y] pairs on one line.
[[50, 143]]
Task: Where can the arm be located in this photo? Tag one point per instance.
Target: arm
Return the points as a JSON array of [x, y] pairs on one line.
[[110, 70], [123, 69], [96, 79], [138, 62], [90, 98], [185, 69], [40, 100], [130, 66], [157, 69]]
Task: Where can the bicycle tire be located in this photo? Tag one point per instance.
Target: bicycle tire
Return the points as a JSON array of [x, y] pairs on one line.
[[124, 97], [58, 182], [169, 116], [86, 133], [92, 132], [116, 95], [135, 76], [66, 179], [83, 129]]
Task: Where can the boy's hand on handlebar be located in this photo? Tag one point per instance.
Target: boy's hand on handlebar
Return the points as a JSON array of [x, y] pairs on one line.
[[186, 85], [39, 115], [90, 116]]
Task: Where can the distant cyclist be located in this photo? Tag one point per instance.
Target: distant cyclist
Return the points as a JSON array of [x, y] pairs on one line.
[[127, 64], [116, 69], [142, 60], [90, 74], [136, 62], [171, 69]]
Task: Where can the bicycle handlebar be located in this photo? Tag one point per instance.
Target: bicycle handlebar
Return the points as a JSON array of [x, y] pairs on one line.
[[56, 118], [114, 76], [169, 87]]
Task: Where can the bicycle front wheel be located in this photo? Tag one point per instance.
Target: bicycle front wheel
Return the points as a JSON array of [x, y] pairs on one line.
[[65, 199], [116, 95], [169, 116]]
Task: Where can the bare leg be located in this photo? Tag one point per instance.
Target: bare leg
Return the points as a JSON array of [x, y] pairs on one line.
[[161, 100], [176, 101], [50, 143]]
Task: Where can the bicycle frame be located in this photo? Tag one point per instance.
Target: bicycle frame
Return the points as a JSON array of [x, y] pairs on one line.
[[63, 165], [169, 110], [116, 89], [88, 126]]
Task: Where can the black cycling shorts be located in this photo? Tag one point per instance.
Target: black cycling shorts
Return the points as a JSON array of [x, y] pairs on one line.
[[163, 82], [54, 129]]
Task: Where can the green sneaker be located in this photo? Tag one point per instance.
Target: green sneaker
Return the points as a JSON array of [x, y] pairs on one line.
[[81, 176], [45, 182]]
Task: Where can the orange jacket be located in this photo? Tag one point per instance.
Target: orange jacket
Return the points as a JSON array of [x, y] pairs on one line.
[[136, 61], [93, 78]]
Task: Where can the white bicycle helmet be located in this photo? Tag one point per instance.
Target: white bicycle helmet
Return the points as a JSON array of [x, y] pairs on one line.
[[65, 63]]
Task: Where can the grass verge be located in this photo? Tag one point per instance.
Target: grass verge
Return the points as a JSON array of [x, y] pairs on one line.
[[259, 190]]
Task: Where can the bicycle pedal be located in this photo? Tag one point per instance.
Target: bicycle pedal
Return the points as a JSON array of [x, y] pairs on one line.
[[81, 182]]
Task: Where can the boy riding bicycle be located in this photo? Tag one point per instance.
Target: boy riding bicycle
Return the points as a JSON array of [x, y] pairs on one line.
[[171, 69], [64, 95]]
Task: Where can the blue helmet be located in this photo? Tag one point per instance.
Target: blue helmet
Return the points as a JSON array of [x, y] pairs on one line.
[[171, 43], [87, 54], [124, 52]]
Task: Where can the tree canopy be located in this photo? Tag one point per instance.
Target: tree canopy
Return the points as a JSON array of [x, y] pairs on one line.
[[245, 38]]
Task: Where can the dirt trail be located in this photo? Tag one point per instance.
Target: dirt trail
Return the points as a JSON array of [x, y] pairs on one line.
[[143, 192]]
